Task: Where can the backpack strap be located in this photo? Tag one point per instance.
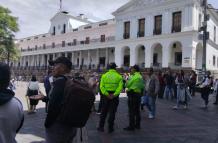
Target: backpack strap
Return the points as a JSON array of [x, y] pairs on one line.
[[81, 135]]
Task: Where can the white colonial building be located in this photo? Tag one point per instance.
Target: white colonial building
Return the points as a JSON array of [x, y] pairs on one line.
[[151, 33]]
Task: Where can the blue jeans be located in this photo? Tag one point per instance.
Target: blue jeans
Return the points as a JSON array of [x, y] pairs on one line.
[[152, 105], [168, 92]]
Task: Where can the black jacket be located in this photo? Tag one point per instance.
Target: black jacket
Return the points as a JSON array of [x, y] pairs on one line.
[[55, 101]]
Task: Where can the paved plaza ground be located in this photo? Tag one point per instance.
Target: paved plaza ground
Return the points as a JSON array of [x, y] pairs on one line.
[[195, 125]]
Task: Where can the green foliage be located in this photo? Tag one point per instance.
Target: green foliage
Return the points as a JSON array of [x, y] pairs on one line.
[[8, 27]]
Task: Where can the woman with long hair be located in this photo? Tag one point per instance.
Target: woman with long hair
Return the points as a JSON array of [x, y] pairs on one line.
[[33, 89]]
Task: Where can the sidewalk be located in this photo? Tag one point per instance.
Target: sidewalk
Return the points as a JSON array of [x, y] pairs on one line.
[[195, 125]]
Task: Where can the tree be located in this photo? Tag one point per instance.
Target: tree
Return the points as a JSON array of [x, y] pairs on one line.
[[8, 27]]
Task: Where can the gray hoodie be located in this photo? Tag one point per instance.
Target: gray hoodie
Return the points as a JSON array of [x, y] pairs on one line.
[[11, 116]]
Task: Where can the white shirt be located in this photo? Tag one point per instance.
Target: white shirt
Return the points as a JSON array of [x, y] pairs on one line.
[[33, 85]]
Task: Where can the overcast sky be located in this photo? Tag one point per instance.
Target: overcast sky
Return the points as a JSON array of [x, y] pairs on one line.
[[34, 15]]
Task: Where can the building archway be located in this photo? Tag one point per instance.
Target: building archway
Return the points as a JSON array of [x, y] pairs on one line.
[[176, 55], [157, 55], [199, 56], [126, 56], [140, 53]]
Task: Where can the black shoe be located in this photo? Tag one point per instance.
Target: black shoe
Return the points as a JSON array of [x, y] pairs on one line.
[[129, 129], [138, 127], [100, 129], [215, 103], [110, 130]]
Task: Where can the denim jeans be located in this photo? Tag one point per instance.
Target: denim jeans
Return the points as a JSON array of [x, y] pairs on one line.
[[168, 92], [152, 105], [181, 96]]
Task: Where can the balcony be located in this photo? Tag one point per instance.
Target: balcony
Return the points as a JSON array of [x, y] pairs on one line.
[[126, 36], [141, 34], [157, 31], [176, 29], [75, 43]]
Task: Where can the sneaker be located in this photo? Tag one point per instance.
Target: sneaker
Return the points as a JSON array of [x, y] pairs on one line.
[[175, 107], [150, 116], [137, 127], [100, 129], [110, 130], [98, 113], [185, 107], [129, 128]]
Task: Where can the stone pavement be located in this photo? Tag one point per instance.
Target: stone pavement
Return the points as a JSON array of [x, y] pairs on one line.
[[195, 125]]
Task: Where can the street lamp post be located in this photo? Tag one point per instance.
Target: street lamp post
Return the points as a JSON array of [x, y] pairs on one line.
[[205, 37]]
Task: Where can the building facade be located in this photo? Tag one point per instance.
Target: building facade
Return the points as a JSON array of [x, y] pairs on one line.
[[150, 33]]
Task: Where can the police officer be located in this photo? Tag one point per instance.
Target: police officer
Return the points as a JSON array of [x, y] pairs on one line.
[[135, 87], [111, 85]]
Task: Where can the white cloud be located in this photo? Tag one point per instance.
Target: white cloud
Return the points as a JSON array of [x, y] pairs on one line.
[[34, 15]]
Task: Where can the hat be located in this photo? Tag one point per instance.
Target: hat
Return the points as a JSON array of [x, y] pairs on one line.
[[112, 65], [136, 67], [61, 60]]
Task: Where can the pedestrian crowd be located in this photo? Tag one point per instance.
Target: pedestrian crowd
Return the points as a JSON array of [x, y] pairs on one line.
[[63, 103]]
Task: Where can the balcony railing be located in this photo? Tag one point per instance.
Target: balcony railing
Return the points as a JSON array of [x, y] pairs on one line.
[[126, 36], [157, 31], [176, 29], [83, 42], [141, 34]]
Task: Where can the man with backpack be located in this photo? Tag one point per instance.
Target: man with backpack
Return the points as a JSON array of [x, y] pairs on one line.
[[63, 117], [111, 85]]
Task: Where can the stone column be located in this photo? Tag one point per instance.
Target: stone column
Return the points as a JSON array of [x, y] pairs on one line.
[[133, 56], [148, 56], [119, 56], [106, 57]]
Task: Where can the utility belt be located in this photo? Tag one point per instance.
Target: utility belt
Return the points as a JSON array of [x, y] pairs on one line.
[[133, 93]]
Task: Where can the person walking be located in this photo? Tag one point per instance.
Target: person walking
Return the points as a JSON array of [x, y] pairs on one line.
[[57, 132], [181, 91], [206, 88], [32, 90], [111, 86], [216, 91], [162, 85], [135, 88], [11, 109], [169, 81], [192, 83], [152, 87]]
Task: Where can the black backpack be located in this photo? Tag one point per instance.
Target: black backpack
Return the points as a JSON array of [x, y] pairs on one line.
[[77, 103]]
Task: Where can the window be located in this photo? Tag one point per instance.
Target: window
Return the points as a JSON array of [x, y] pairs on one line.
[[64, 29], [155, 59], [141, 30], [217, 62], [53, 33], [75, 29], [214, 32], [36, 47], [157, 25], [87, 40], [63, 43], [74, 42], [126, 34], [87, 27], [200, 20], [214, 61], [44, 46], [53, 45], [178, 58], [102, 38], [177, 16], [102, 24]]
